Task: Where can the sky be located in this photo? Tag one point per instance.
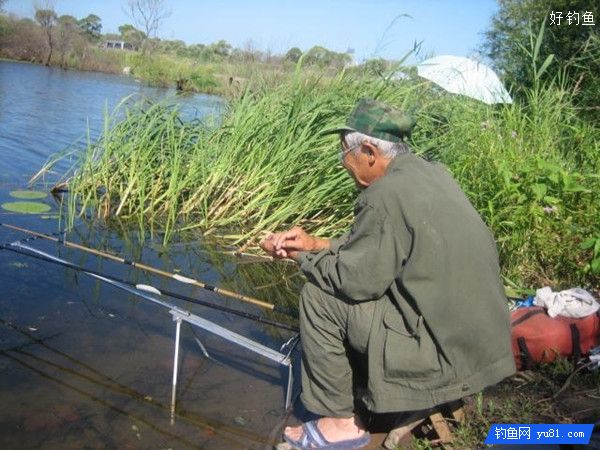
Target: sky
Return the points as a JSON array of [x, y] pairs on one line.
[[373, 28]]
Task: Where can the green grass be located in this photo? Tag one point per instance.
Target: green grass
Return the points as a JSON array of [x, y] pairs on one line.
[[264, 166], [531, 169], [553, 393], [166, 71]]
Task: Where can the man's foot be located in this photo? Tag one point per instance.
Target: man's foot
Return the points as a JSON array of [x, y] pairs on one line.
[[333, 429]]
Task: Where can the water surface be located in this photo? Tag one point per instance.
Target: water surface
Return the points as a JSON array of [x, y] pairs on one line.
[[84, 365]]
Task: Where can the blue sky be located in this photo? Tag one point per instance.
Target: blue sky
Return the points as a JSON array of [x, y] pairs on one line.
[[368, 26]]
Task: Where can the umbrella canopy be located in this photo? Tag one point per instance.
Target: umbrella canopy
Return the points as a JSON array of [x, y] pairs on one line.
[[466, 77]]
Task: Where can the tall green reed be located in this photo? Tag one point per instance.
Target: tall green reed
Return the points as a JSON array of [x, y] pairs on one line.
[[529, 168], [266, 164]]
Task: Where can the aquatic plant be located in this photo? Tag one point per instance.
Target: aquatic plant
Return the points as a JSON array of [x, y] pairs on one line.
[[529, 168], [265, 165], [28, 195], [26, 207]]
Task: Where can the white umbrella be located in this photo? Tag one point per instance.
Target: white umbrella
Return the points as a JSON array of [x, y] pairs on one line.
[[466, 77]]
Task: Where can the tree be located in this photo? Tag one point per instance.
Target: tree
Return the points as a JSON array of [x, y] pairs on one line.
[[22, 39], [175, 46], [126, 29], [4, 27], [91, 26], [68, 31], [575, 47], [132, 35], [47, 19], [220, 48], [148, 15], [248, 53], [2, 5], [341, 60], [195, 51], [293, 54], [322, 57]]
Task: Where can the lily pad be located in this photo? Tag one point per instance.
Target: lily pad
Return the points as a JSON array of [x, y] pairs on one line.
[[19, 265], [28, 195], [26, 207]]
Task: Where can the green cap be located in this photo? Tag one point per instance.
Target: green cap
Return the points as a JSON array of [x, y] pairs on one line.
[[378, 120]]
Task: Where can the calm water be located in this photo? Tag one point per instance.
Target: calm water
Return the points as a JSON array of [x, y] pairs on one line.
[[83, 365]]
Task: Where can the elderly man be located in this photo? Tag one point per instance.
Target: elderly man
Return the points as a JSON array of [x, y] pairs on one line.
[[414, 288]]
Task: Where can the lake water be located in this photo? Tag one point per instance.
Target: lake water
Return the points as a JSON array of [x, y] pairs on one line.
[[84, 365]]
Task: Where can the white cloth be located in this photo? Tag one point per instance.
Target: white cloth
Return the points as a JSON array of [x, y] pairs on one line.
[[574, 303], [595, 358]]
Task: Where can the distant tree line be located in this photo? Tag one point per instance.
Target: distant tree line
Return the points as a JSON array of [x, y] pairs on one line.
[[65, 40], [48, 37]]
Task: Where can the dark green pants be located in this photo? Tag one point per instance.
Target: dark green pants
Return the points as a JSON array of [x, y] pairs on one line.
[[329, 328]]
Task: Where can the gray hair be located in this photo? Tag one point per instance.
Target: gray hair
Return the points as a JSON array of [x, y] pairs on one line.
[[388, 148]]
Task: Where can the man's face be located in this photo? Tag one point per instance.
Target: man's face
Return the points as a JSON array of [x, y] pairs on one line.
[[364, 162], [350, 162]]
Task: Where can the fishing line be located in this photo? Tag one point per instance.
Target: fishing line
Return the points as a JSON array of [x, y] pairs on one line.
[[15, 249], [180, 278]]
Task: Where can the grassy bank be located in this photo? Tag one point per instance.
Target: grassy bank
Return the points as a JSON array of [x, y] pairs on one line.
[[155, 70], [215, 68], [553, 393], [167, 71], [69, 43], [531, 169], [170, 71]]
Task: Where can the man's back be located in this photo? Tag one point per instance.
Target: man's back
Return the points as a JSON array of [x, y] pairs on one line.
[[450, 276]]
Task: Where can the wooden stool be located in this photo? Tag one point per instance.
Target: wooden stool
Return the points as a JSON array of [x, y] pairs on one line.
[[436, 422]]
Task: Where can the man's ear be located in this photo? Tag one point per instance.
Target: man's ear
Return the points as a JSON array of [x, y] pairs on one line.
[[372, 152]]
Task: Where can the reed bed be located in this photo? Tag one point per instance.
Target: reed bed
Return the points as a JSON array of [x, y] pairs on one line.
[[166, 71], [530, 168], [265, 165]]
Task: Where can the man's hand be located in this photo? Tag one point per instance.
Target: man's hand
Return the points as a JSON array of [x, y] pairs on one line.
[[268, 245], [288, 244]]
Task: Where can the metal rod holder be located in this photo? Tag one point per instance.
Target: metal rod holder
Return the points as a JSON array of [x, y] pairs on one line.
[[273, 355], [175, 367], [180, 315]]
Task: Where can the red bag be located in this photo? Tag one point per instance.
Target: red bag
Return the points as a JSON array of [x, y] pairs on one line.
[[538, 338]]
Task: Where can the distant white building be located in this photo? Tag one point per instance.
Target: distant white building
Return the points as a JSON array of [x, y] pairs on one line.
[[117, 45]]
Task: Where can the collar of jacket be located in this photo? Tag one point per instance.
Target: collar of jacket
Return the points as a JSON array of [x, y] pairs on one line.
[[398, 161]]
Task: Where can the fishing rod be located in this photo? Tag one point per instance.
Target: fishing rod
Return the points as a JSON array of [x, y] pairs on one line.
[[18, 247], [139, 265], [180, 315]]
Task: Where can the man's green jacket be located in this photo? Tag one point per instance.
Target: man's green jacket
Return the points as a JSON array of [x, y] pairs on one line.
[[420, 250]]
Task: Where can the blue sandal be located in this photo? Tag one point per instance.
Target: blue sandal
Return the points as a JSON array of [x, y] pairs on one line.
[[312, 439]]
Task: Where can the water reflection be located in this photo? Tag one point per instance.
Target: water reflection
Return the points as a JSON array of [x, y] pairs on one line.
[[87, 373], [240, 379], [45, 110], [83, 365]]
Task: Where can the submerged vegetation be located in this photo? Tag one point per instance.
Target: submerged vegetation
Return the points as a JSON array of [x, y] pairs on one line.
[[530, 168]]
